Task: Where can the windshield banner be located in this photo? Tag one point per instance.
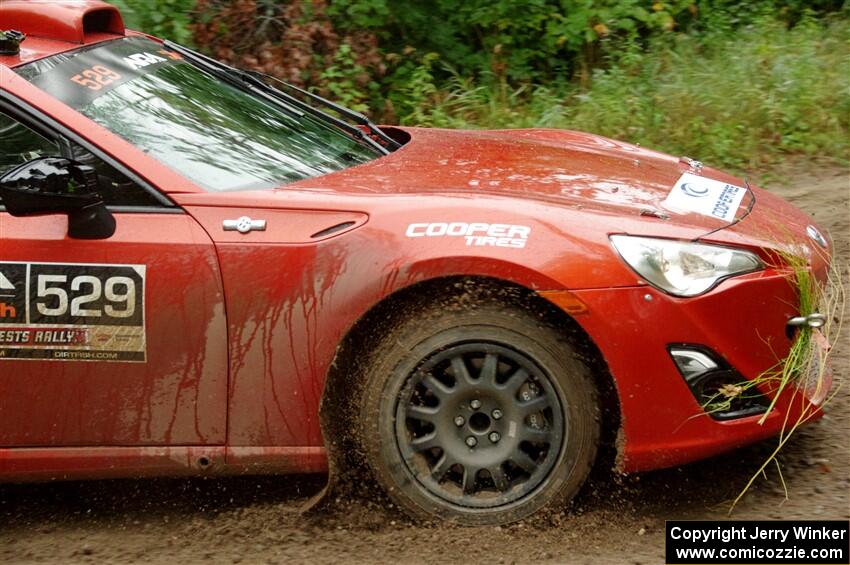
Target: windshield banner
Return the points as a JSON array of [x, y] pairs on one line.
[[80, 77]]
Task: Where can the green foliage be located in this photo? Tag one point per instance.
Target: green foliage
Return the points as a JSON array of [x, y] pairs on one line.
[[340, 80], [168, 19], [545, 40], [520, 39], [737, 101]]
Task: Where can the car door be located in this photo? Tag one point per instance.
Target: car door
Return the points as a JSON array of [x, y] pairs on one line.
[[107, 342]]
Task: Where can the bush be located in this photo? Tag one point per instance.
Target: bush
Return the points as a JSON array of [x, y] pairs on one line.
[[547, 40], [164, 18], [295, 41], [740, 101]]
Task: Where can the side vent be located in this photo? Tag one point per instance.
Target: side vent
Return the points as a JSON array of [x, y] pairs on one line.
[[74, 21], [327, 232]]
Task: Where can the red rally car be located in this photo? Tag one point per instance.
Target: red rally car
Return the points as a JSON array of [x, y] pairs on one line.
[[206, 272]]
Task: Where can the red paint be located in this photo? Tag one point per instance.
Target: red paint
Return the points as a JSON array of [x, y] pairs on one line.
[[178, 396], [70, 463], [242, 329], [58, 25], [750, 337], [60, 463]]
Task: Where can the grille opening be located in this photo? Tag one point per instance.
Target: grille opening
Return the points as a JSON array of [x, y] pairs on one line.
[[713, 382]]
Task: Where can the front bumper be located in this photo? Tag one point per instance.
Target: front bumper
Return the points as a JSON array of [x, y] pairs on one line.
[[743, 321]]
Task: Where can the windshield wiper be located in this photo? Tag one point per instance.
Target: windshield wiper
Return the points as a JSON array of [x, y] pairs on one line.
[[356, 117], [226, 73], [287, 101]]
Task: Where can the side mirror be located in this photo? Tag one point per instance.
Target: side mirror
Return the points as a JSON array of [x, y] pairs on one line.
[[53, 185]]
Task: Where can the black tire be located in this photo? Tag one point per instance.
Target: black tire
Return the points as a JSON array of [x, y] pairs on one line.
[[430, 467]]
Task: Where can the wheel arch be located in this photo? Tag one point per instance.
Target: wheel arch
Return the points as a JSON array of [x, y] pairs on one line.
[[345, 376]]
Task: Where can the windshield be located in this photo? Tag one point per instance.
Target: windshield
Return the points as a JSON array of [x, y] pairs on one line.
[[220, 136]]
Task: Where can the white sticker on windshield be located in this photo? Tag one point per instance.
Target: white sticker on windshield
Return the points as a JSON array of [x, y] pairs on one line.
[[708, 197]]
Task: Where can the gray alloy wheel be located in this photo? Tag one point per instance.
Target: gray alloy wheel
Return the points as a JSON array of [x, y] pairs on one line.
[[479, 417]]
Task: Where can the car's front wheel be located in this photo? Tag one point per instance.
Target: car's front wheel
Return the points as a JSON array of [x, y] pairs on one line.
[[480, 415]]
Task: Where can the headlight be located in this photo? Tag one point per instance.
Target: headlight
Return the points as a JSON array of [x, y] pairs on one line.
[[681, 268]]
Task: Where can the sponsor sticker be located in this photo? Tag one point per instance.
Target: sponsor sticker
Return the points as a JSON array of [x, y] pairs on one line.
[[72, 312], [475, 234], [709, 197]]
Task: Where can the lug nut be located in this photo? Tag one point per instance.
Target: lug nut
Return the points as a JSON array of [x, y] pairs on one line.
[[497, 414], [475, 404], [459, 421], [471, 441], [495, 437]]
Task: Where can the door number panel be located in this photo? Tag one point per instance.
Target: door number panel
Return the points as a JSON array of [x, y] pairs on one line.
[[72, 312]]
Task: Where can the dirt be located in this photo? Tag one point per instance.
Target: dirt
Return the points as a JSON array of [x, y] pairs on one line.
[[613, 520]]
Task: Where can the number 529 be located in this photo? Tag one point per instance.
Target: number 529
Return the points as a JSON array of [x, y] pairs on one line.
[[119, 292], [96, 77]]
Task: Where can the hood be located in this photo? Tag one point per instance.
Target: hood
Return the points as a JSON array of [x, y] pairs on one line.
[[567, 168], [578, 171]]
